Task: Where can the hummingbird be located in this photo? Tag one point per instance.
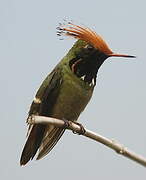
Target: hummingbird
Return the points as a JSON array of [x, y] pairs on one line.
[[67, 90]]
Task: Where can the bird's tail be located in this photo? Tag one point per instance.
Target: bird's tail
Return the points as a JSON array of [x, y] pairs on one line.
[[49, 141], [32, 144], [41, 137]]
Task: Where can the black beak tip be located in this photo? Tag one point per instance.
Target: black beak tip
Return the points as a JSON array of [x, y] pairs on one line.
[[132, 56]]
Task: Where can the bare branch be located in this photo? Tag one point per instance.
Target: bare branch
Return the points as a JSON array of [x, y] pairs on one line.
[[120, 149]]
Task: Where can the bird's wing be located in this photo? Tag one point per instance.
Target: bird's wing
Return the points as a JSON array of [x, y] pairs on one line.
[[45, 136]]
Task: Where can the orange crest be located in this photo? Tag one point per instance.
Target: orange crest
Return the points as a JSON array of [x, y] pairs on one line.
[[84, 34]]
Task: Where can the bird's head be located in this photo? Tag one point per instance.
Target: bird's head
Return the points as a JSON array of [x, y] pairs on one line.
[[92, 50]]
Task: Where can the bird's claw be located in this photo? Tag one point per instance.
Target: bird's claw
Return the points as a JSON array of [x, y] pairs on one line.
[[66, 124], [82, 129]]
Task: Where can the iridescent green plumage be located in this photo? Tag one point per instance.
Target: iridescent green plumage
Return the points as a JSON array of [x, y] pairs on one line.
[[62, 95]]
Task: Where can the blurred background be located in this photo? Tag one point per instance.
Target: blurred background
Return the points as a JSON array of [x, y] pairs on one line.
[[30, 49]]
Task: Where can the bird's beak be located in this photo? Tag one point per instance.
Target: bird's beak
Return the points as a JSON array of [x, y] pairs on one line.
[[121, 55]]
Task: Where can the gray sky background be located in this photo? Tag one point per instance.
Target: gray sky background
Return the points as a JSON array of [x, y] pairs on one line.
[[29, 51]]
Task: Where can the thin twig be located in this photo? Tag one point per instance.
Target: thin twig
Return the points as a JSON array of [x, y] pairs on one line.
[[120, 149]]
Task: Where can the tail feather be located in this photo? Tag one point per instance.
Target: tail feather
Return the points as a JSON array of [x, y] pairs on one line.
[[50, 141], [41, 137], [32, 144]]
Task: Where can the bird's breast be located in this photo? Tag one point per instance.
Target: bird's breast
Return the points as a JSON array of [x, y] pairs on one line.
[[73, 97]]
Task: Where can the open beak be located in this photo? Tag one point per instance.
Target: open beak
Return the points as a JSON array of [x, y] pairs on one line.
[[122, 55]]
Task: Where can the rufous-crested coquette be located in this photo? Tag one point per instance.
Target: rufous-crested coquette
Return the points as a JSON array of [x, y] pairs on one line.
[[67, 90]]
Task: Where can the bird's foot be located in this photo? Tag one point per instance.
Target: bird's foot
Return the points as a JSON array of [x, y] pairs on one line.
[[66, 124], [82, 129]]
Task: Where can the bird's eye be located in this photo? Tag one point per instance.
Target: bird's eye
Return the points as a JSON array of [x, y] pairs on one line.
[[89, 47]]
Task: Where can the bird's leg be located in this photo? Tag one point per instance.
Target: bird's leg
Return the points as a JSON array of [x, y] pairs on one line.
[[82, 129], [66, 123]]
